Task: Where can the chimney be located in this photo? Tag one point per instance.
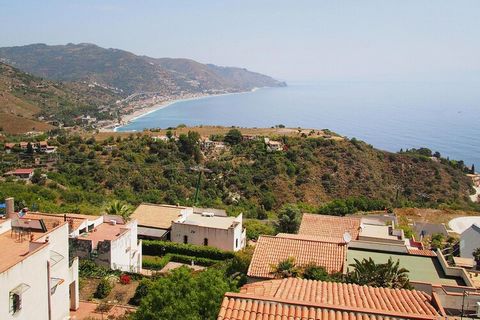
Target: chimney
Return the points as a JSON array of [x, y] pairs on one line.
[[9, 208]]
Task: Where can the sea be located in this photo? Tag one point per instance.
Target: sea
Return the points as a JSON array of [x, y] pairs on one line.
[[442, 116]]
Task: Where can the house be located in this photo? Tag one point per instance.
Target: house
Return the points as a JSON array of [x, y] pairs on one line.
[[249, 137], [190, 225], [273, 146], [107, 239], [226, 233], [423, 229], [9, 147], [469, 241], [42, 146], [475, 179], [358, 229], [25, 174], [24, 145], [38, 277], [329, 253], [300, 299], [207, 144]]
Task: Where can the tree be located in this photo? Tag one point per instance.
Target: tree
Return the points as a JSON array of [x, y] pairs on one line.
[[388, 275], [476, 256], [313, 272], [29, 148], [234, 136], [120, 209], [285, 269], [472, 170], [289, 219], [183, 295]]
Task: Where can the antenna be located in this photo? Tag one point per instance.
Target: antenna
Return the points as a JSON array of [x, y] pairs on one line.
[[347, 237]]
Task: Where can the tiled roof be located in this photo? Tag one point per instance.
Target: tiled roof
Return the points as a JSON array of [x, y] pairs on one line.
[[425, 253], [329, 226], [271, 250], [236, 306], [310, 237], [347, 295]]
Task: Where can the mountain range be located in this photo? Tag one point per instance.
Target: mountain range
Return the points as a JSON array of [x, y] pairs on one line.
[[128, 73]]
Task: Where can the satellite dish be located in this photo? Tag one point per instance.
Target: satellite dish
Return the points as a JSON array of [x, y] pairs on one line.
[[347, 237]]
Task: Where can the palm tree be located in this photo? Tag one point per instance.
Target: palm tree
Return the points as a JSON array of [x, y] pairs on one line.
[[120, 209], [285, 269], [389, 274]]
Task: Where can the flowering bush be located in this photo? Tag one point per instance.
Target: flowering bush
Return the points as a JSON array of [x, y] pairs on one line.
[[125, 279]]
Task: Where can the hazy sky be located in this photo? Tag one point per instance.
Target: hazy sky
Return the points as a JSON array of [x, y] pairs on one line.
[[291, 40]]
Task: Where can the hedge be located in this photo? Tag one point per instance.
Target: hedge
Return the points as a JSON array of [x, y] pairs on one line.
[[157, 263], [161, 248]]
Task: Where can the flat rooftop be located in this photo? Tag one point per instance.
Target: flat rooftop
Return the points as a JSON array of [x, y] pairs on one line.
[[422, 269], [209, 222], [15, 248], [376, 231], [102, 232], [157, 215]]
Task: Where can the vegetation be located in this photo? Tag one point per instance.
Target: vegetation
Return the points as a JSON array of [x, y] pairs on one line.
[[387, 275], [161, 248], [104, 288], [286, 269], [289, 219], [476, 256], [121, 209], [183, 294], [320, 175]]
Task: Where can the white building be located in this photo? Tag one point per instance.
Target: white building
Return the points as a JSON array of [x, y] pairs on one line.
[[197, 226], [106, 239], [226, 233], [469, 241], [38, 279]]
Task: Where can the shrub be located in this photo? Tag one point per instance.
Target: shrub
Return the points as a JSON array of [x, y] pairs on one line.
[[103, 289], [160, 248]]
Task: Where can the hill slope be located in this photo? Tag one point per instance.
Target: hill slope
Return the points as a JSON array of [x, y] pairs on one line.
[[246, 177], [24, 99], [128, 72]]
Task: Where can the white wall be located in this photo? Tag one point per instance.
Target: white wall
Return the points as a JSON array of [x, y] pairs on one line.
[[469, 241], [224, 239], [33, 271], [126, 254]]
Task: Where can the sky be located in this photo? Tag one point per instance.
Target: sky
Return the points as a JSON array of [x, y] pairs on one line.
[[294, 40]]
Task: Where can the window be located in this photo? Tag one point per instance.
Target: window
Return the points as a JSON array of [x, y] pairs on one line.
[[205, 242], [185, 239], [236, 243], [15, 302]]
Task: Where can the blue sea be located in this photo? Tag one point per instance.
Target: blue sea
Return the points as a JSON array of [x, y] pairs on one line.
[[443, 116]]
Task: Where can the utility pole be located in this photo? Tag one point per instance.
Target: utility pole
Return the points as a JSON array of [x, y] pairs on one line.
[[200, 170]]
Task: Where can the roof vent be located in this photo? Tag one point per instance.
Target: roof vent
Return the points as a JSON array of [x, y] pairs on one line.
[[208, 214], [347, 237]]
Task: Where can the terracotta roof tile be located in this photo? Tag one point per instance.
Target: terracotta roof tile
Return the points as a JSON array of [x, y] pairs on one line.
[[347, 295], [271, 250], [425, 253], [312, 238], [329, 226]]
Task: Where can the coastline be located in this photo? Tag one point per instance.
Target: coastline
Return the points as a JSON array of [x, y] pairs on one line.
[[141, 112]]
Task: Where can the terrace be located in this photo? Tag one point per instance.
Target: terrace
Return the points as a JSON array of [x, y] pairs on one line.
[[422, 269]]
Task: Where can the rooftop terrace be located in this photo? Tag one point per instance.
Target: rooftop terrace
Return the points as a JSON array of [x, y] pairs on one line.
[[422, 269]]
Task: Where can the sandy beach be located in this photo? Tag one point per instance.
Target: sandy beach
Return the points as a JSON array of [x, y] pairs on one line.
[[141, 112]]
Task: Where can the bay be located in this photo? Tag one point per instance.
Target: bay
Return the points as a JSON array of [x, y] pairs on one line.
[[443, 116]]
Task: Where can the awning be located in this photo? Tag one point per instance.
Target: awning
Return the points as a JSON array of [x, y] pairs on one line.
[[55, 258], [151, 232], [21, 288], [54, 283]]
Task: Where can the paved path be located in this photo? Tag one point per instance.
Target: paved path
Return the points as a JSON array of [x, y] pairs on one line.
[[461, 224], [87, 311]]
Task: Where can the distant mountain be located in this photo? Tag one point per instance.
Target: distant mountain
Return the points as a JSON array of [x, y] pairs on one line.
[[130, 73], [29, 103]]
